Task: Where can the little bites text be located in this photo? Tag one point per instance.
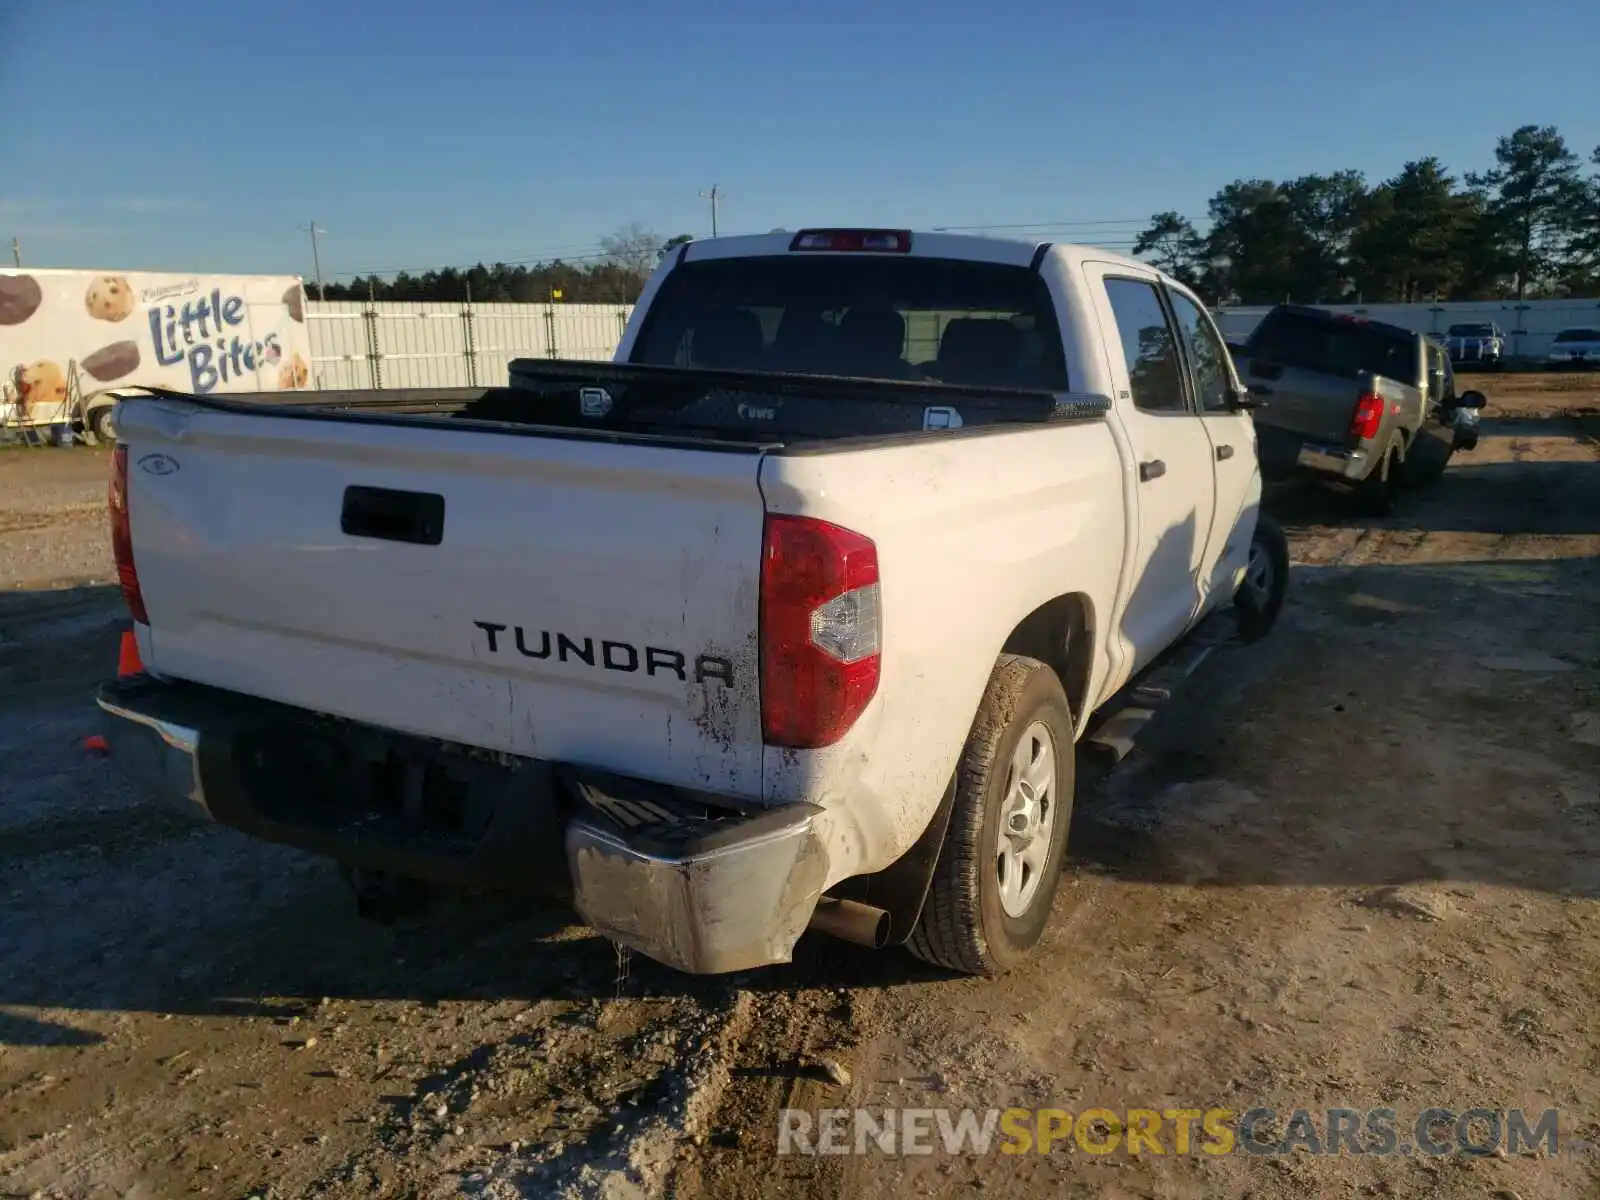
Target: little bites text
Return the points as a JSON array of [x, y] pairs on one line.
[[204, 332]]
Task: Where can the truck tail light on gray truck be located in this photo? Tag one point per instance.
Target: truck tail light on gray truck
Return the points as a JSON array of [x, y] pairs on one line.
[[790, 618], [821, 631], [1368, 415]]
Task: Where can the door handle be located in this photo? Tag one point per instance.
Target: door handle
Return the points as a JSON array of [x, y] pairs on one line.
[[393, 516], [1224, 452], [1154, 469]]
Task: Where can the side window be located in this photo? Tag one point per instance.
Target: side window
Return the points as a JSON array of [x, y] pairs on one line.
[[1208, 357], [1149, 345]]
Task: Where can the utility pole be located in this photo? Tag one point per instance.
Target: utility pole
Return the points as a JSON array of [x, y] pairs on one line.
[[316, 257], [714, 195], [16, 251]]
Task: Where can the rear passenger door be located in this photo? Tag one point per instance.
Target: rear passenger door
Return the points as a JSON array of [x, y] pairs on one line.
[[1232, 435], [1172, 453]]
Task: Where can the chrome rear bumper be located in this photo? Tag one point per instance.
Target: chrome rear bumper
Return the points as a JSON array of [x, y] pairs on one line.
[[701, 888], [705, 898], [1331, 460], [163, 754]]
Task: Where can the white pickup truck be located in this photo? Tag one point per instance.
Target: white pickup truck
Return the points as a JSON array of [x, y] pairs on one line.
[[789, 618]]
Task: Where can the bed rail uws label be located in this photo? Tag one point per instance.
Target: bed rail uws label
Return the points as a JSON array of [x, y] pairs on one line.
[[741, 407], [785, 404]]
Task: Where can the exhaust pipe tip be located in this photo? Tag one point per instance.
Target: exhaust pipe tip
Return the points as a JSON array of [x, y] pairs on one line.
[[852, 921]]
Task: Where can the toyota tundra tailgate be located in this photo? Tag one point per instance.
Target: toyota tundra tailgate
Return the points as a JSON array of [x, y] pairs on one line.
[[572, 599]]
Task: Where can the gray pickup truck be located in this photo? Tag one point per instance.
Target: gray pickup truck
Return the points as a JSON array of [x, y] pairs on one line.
[[1365, 406], [1480, 345]]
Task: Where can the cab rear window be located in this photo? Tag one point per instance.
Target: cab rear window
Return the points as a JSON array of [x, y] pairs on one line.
[[1334, 347], [875, 317]]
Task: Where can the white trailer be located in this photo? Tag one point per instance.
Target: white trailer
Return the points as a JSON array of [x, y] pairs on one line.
[[73, 342]]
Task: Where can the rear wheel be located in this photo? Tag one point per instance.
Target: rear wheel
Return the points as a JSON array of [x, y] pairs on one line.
[[1428, 473], [102, 426], [997, 873], [1266, 580], [1379, 494]]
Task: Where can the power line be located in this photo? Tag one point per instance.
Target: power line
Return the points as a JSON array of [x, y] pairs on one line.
[[590, 251], [1043, 224], [1125, 227], [584, 248]]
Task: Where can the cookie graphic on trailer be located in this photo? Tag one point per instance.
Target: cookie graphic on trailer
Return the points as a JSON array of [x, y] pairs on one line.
[[20, 296], [294, 373], [41, 389], [113, 361], [109, 298]]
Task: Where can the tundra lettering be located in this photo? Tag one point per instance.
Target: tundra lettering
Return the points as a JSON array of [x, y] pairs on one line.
[[632, 662], [614, 656]]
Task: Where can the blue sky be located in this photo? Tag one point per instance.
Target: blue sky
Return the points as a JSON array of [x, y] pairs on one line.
[[205, 136]]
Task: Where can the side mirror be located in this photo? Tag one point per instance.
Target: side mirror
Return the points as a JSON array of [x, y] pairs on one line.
[[1241, 399], [1471, 400]]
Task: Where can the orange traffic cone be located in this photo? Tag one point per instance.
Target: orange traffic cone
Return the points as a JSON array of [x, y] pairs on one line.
[[128, 657]]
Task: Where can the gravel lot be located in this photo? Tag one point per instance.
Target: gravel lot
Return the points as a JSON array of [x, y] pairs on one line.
[[1356, 865], [53, 518]]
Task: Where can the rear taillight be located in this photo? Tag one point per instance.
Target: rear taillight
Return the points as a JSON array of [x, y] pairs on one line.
[[122, 535], [1368, 415], [821, 631]]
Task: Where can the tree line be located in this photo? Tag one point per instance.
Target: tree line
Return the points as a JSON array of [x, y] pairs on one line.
[[613, 276], [1529, 226]]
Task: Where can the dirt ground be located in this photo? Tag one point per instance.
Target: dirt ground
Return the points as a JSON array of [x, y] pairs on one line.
[[1356, 865]]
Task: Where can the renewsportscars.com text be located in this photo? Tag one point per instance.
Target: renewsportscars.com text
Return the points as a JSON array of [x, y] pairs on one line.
[[1381, 1132]]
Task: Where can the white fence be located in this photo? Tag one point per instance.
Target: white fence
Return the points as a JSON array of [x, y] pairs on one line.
[[389, 344], [1530, 325], [394, 344]]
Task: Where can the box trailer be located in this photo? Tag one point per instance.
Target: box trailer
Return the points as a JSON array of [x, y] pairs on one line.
[[73, 342]]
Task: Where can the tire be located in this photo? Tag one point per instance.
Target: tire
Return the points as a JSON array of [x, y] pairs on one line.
[[970, 921], [101, 425], [1266, 583], [1431, 475], [1379, 493]]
